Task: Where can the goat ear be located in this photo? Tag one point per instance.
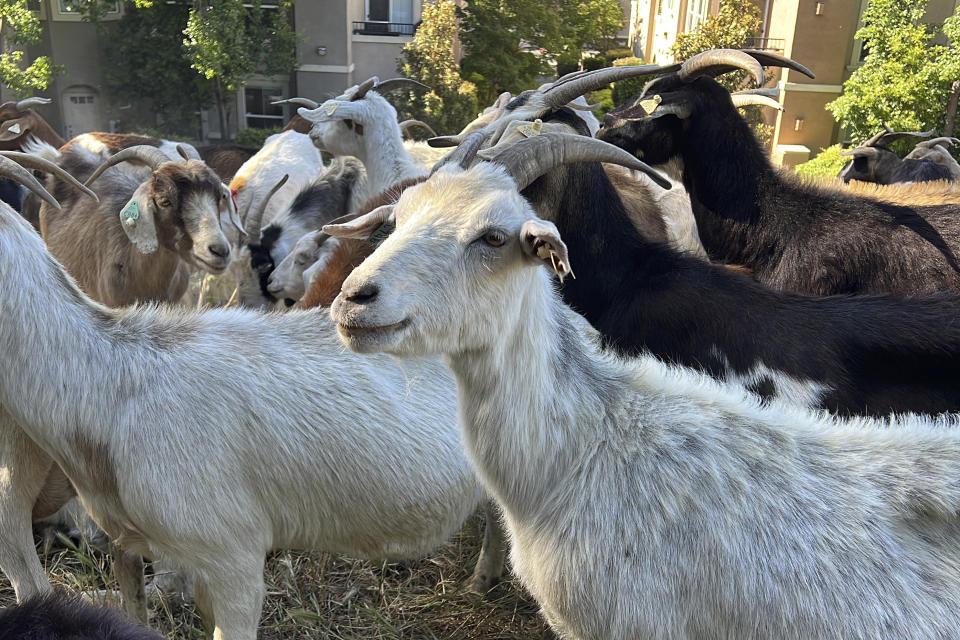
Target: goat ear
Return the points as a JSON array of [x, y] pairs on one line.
[[137, 219], [373, 227], [13, 129], [541, 243]]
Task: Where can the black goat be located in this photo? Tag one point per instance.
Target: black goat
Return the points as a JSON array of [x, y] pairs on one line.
[[793, 236], [56, 616], [874, 161]]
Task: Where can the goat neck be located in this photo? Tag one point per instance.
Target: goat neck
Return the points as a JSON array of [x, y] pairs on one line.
[[385, 158]]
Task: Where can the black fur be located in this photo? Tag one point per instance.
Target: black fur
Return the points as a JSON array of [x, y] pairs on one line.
[[11, 193], [57, 616], [920, 170], [877, 354], [793, 236]]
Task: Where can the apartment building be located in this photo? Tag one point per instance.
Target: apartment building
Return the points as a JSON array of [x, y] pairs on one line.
[[342, 42]]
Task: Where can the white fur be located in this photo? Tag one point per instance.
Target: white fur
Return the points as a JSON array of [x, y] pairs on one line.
[[297, 444], [289, 278], [644, 500]]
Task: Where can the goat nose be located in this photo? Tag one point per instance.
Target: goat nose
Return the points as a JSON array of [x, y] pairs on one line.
[[219, 249], [363, 294]]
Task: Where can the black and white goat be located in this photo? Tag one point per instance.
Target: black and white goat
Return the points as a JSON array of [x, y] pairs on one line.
[[875, 161], [57, 616], [793, 236]]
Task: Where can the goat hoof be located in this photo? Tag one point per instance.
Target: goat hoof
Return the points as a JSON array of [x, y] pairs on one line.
[[482, 584]]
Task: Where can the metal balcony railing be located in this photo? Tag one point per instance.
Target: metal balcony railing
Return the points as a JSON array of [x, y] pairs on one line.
[[765, 44], [373, 28]]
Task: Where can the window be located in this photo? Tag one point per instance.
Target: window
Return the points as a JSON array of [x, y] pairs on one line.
[[76, 6], [260, 113], [81, 99], [696, 13], [397, 11]]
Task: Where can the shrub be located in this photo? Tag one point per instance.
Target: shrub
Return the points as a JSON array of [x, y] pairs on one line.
[[826, 164], [616, 54], [592, 63], [253, 137], [630, 87]]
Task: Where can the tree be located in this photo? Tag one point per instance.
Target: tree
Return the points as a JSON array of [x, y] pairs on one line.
[[452, 102], [147, 64], [492, 32], [227, 43], [905, 80], [21, 28], [729, 28]]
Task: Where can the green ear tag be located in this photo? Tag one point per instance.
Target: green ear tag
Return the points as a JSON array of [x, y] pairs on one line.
[[382, 232], [130, 214], [651, 104]]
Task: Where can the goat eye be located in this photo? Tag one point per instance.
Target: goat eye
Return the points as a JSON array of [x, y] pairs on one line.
[[165, 202], [495, 238]]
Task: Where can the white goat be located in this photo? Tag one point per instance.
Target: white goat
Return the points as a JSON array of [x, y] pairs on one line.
[[361, 123], [290, 279], [327, 450], [937, 150], [643, 500]]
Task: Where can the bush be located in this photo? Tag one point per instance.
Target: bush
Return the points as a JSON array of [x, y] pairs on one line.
[[592, 63], [616, 54], [604, 99], [253, 137], [827, 164], [626, 89]]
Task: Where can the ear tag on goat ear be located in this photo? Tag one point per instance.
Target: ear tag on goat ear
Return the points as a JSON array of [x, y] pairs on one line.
[[650, 105], [544, 252], [330, 108], [130, 214], [382, 232], [530, 129], [15, 128]]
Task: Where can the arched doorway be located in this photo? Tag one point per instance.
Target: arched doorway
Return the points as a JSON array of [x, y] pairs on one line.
[[81, 110]]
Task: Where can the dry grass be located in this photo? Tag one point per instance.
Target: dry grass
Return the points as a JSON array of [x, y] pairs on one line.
[[315, 595]]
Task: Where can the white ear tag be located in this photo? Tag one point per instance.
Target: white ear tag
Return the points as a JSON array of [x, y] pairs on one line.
[[530, 129], [330, 108], [544, 252], [15, 128], [130, 214], [650, 105]]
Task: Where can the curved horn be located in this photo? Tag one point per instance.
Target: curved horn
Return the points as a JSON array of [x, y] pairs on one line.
[[188, 153], [42, 164], [407, 124], [583, 107], [770, 92], [465, 152], [944, 141], [142, 153], [574, 85], [300, 102], [12, 170], [399, 83], [365, 86], [253, 217], [440, 142], [719, 61], [768, 59], [747, 100], [862, 151], [887, 136], [529, 159], [28, 103]]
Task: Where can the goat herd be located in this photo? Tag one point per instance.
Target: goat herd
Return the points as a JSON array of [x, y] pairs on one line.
[[730, 419]]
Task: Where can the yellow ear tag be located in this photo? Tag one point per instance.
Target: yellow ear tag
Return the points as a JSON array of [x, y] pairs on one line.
[[546, 253], [650, 105], [330, 108], [15, 128], [530, 129]]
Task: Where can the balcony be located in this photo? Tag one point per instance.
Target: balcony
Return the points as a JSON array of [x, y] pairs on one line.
[[765, 44], [372, 28]]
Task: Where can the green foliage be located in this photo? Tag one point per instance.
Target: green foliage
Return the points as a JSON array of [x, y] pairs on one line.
[[146, 66], [616, 54], [604, 98], [20, 28], [254, 137], [452, 102], [630, 87], [592, 63], [905, 79], [729, 28], [492, 30], [827, 164]]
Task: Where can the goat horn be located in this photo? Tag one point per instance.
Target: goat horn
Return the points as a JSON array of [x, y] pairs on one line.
[[770, 92], [747, 100], [944, 141], [887, 136], [768, 59], [529, 159], [465, 152], [502, 100], [42, 164], [574, 85], [365, 86], [254, 217], [23, 105], [862, 151], [719, 61], [300, 102], [440, 142], [406, 124], [399, 83], [12, 170], [583, 107], [188, 153], [142, 153]]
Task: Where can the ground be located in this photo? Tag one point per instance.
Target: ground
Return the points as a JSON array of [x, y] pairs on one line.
[[315, 595]]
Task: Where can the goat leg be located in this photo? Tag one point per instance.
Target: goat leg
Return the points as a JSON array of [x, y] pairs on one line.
[[128, 568], [489, 566]]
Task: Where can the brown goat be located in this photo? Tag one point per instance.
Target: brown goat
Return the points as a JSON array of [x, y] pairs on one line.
[[18, 120], [349, 253], [226, 159]]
